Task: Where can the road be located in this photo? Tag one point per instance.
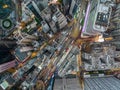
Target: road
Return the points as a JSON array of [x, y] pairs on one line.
[[77, 29], [76, 33]]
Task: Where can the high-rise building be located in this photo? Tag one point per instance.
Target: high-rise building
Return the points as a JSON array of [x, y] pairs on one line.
[[97, 17], [103, 56], [114, 28], [115, 20], [98, 83], [7, 59], [45, 26], [46, 47], [71, 6], [6, 7], [42, 4], [35, 10], [60, 19], [71, 83]]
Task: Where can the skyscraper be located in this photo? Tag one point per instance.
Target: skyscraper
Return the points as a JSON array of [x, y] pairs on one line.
[[97, 18], [71, 6], [35, 10], [7, 59], [6, 7], [114, 29]]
